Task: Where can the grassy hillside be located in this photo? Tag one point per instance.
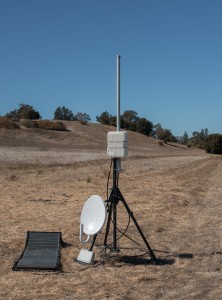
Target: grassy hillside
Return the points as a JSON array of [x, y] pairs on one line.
[[86, 137]]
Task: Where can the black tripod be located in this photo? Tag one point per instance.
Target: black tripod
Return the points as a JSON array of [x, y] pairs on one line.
[[114, 198]]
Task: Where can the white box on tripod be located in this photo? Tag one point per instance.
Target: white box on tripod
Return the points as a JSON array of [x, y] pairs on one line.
[[117, 144]]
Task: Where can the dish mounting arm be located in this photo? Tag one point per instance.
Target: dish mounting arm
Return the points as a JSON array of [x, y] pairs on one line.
[[81, 235]]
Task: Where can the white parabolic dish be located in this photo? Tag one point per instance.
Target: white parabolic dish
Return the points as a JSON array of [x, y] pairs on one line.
[[93, 215]]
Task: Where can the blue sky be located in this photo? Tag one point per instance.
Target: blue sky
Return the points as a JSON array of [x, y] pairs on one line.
[[55, 53]]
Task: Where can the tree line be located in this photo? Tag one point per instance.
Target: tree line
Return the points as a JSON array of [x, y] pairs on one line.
[[211, 143], [129, 120], [26, 111]]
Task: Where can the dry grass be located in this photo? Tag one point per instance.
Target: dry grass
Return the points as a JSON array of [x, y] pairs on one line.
[[175, 194], [8, 123], [50, 125], [43, 124]]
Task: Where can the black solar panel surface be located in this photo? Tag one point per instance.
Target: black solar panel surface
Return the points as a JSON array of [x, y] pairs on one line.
[[42, 251]]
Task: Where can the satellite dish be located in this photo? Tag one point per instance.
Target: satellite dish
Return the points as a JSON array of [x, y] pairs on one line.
[[93, 217]]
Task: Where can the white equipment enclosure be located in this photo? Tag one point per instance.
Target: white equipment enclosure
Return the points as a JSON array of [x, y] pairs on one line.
[[117, 146]]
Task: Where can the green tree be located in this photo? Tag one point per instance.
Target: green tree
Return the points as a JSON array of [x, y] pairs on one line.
[[104, 118], [107, 119], [185, 138], [129, 119], [155, 129], [25, 111], [199, 139], [63, 113], [144, 126], [112, 121], [13, 114], [83, 118], [214, 144], [206, 132], [163, 134]]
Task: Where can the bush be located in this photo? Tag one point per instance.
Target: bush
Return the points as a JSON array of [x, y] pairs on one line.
[[7, 123], [50, 125], [28, 123], [160, 143]]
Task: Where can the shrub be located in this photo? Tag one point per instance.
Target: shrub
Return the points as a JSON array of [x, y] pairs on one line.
[[50, 125], [28, 123], [7, 123]]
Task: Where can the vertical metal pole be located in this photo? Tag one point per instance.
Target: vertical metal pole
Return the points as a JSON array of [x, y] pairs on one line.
[[115, 160], [114, 204], [118, 92], [118, 162]]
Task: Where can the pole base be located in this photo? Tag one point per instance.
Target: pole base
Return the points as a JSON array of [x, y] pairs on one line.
[[115, 250]]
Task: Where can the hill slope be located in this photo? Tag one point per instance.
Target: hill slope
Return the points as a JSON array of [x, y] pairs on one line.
[[78, 143]]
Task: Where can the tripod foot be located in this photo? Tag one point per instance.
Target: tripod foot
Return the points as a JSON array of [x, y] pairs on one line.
[[115, 250]]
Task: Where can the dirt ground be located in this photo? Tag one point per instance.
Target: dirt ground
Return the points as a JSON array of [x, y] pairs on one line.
[[174, 192]]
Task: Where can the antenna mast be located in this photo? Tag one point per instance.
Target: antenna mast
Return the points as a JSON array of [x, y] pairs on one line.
[[118, 148], [118, 92]]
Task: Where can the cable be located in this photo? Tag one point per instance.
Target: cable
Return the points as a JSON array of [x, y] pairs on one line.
[[107, 185], [107, 246], [124, 233], [117, 179]]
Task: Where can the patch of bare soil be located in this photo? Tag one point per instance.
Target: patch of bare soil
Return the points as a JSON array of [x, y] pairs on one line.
[[174, 192]]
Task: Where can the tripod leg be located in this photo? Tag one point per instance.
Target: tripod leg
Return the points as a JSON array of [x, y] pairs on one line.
[[138, 228], [108, 223], [93, 242], [114, 227]]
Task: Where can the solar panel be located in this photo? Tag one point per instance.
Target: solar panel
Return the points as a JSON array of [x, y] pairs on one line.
[[42, 251]]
